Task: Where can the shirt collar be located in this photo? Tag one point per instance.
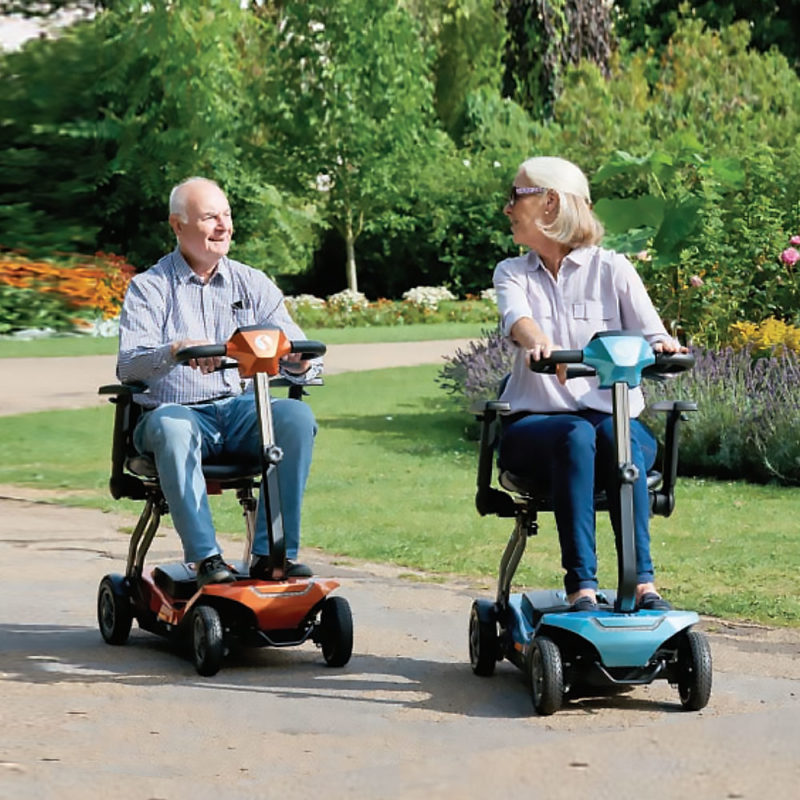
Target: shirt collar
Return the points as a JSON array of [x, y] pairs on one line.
[[186, 274], [580, 256]]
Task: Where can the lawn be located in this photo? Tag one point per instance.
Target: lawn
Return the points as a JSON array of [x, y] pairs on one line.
[[393, 480], [89, 345]]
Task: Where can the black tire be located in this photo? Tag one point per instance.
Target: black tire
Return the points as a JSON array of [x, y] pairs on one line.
[[208, 644], [336, 631], [114, 613], [694, 671], [546, 675], [483, 644]]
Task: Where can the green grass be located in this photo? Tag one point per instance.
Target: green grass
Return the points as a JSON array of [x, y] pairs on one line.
[[393, 480], [91, 346]]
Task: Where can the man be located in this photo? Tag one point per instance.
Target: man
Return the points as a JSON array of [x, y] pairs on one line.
[[197, 295]]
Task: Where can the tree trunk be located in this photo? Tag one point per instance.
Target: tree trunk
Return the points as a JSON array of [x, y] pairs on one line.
[[350, 244]]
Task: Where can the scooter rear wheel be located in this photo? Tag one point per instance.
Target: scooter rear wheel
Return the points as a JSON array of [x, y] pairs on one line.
[[546, 675], [483, 644], [695, 671], [208, 645], [336, 631], [114, 615]]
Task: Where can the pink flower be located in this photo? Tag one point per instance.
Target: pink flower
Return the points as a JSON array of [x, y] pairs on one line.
[[696, 281], [794, 240], [643, 255], [790, 256]]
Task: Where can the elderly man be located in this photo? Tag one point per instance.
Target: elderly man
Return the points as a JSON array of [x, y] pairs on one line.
[[197, 295]]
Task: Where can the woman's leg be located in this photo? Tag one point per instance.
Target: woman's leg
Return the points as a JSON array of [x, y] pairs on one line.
[[558, 450], [643, 452]]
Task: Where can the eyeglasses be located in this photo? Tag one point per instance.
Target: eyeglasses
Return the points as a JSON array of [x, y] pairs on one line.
[[520, 191]]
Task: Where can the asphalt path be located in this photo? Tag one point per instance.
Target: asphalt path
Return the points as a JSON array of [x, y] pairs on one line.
[[406, 718]]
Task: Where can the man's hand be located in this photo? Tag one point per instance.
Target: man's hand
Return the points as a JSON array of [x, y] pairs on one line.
[[205, 365], [294, 364]]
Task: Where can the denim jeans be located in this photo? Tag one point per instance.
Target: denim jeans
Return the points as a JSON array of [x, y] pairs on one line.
[[180, 437], [572, 454]]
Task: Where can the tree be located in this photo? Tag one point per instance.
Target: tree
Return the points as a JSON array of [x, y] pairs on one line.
[[651, 23], [354, 119], [544, 36], [138, 107]]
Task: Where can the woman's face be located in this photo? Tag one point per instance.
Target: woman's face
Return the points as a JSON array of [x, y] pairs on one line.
[[525, 212]]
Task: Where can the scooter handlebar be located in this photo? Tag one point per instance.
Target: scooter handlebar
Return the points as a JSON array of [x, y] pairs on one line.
[[186, 354], [547, 366], [670, 364], [308, 348]]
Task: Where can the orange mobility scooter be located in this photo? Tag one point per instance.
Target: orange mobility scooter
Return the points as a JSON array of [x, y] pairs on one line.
[[165, 599]]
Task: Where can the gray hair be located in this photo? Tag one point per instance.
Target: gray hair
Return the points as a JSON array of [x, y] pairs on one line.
[[575, 224], [177, 197]]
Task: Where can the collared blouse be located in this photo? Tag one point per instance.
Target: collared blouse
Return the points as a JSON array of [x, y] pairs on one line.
[[596, 290]]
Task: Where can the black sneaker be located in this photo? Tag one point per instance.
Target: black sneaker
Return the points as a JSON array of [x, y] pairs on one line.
[[259, 568], [213, 570]]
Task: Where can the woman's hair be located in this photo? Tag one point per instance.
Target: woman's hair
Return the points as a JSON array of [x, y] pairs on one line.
[[575, 223]]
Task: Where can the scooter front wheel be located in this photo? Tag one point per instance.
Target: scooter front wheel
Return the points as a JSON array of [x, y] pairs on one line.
[[694, 671], [114, 615], [546, 675], [336, 631], [208, 645]]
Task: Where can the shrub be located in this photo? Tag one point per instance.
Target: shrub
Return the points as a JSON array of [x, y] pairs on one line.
[[771, 336], [473, 376], [748, 421]]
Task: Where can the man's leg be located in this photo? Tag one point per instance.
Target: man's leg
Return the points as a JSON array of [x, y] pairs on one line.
[[174, 434], [294, 428]]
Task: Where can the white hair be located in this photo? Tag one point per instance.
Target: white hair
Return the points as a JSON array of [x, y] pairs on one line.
[[575, 224], [177, 197]]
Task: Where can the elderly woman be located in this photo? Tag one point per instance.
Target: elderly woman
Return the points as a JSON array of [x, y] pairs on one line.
[[554, 297]]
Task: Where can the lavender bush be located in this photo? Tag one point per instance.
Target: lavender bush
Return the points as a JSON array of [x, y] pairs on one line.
[[473, 375], [747, 425], [748, 421]]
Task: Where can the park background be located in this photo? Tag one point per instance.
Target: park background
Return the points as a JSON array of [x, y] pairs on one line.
[[367, 147]]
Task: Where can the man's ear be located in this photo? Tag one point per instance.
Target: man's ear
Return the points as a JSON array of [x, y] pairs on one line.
[[175, 223]]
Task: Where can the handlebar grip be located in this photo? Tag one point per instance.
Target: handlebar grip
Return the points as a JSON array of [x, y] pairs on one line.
[[670, 364], [186, 354], [309, 348], [547, 366]]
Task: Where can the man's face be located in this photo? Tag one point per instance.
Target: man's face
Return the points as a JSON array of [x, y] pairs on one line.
[[206, 235]]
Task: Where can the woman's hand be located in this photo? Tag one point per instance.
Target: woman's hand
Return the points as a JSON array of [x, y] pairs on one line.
[[669, 346]]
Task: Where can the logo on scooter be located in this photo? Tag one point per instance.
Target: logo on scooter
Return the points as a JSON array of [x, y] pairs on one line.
[[262, 342]]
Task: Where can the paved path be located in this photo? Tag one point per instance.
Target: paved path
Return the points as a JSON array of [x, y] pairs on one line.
[[404, 719], [40, 384]]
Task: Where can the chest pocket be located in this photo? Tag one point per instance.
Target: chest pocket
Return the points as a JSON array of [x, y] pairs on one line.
[[592, 311]]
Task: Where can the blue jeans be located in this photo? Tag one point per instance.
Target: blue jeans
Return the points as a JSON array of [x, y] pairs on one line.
[[180, 437], [571, 454]]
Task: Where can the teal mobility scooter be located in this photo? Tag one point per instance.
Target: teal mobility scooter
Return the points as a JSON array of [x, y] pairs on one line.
[[165, 599], [572, 653]]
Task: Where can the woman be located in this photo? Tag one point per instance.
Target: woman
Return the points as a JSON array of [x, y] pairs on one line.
[[555, 297]]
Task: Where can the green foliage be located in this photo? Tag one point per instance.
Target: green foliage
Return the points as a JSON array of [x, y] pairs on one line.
[[544, 36], [470, 45], [354, 110], [136, 109], [21, 309], [651, 23]]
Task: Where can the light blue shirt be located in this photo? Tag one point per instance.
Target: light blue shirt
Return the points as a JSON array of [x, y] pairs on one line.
[[169, 302], [596, 290]]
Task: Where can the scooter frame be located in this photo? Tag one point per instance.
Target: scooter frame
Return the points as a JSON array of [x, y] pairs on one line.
[[564, 652], [165, 600]]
